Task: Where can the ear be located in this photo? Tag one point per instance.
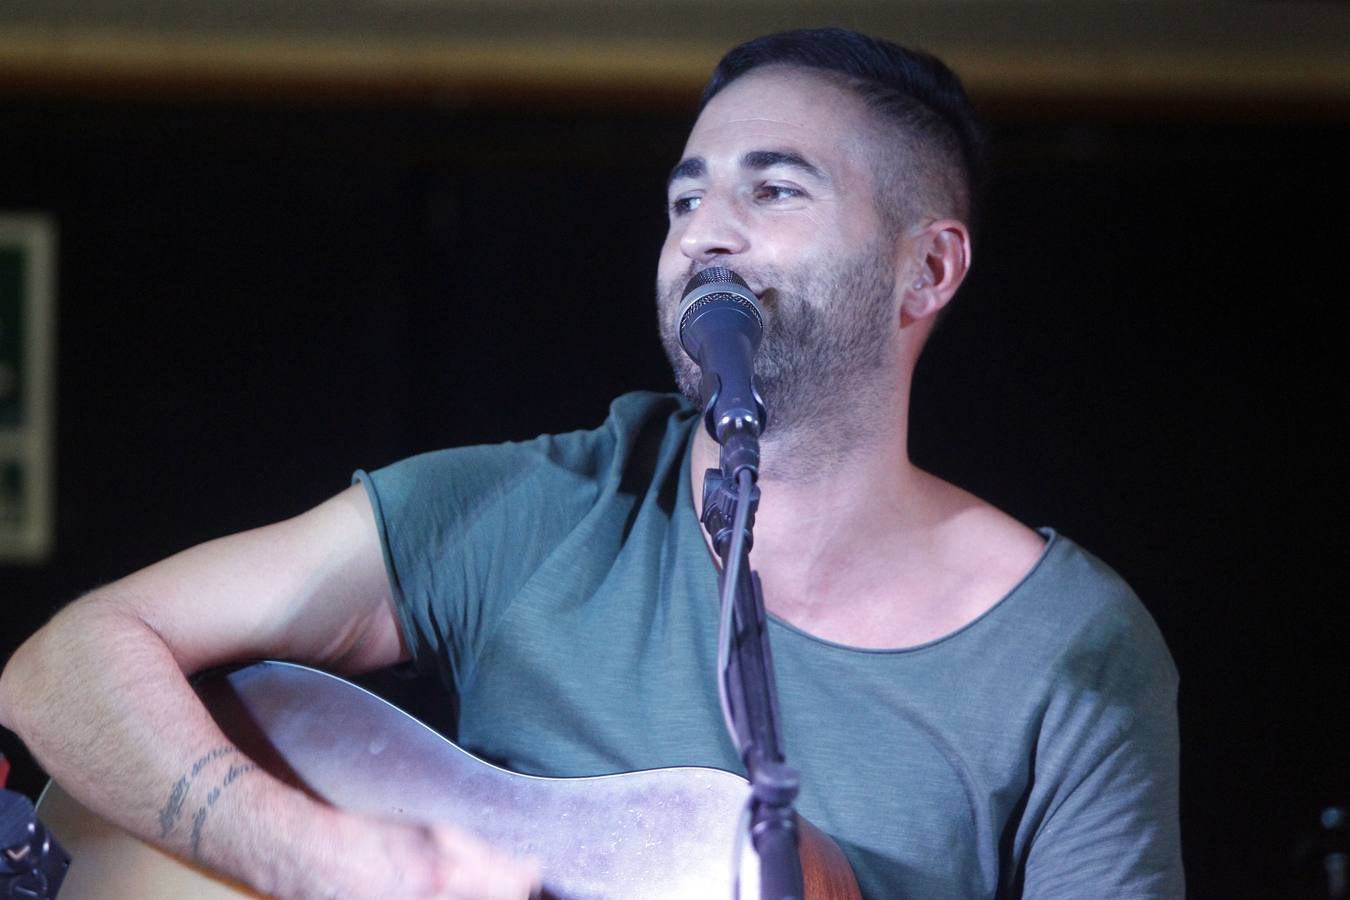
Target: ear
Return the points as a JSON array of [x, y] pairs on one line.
[[938, 258]]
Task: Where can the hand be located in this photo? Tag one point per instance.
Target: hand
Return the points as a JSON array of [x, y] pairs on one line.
[[448, 863], [382, 858]]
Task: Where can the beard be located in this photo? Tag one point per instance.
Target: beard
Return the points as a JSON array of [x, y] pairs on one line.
[[829, 334]]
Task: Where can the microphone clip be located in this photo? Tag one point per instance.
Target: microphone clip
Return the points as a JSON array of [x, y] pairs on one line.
[[719, 509]]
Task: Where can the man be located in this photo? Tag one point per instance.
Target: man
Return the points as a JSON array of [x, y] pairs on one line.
[[978, 709]]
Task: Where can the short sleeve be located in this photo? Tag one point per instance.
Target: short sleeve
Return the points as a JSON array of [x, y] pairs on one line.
[[460, 530], [463, 529], [1109, 759]]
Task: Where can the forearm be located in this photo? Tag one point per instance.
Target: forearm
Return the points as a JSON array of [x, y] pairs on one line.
[[102, 704], [100, 696]]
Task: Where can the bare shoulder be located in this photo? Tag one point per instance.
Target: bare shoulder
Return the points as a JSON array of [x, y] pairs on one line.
[[1002, 541], [991, 550]]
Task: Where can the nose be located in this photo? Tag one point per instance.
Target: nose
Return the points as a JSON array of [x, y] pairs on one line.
[[713, 230]]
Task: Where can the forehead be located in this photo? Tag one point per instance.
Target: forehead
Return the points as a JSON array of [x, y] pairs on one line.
[[778, 104]]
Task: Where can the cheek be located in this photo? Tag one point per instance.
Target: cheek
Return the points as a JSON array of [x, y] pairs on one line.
[[672, 261], [818, 227]]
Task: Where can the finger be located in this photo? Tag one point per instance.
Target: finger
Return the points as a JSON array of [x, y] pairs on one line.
[[476, 870], [497, 877]]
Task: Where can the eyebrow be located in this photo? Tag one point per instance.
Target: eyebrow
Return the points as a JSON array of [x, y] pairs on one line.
[[689, 167], [767, 159], [757, 160]]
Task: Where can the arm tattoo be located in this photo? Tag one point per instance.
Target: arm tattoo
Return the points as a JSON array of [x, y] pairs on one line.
[[199, 818], [173, 807]]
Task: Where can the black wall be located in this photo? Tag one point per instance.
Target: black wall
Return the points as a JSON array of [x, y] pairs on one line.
[[256, 299]]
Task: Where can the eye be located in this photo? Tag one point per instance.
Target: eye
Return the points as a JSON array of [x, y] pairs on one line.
[[774, 193], [685, 204]]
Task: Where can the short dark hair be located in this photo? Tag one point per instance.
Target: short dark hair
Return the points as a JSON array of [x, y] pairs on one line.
[[942, 154]]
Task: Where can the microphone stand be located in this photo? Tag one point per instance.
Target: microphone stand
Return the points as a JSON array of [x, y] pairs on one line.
[[730, 498]]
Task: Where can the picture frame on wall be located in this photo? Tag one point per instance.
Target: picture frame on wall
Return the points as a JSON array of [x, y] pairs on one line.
[[27, 386]]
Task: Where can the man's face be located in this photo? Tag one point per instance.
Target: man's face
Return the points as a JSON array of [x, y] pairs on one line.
[[776, 184]]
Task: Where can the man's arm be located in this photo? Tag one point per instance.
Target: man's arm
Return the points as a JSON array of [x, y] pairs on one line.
[[100, 696]]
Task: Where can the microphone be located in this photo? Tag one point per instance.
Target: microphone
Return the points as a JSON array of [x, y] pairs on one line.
[[720, 326], [32, 863]]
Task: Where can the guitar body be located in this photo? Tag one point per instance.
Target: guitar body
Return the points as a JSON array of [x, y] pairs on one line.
[[663, 833]]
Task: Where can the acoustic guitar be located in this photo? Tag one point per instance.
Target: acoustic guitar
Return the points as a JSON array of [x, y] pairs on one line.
[[660, 834]]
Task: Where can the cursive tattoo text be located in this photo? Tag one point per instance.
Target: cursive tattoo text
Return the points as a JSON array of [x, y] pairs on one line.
[[172, 810], [199, 817]]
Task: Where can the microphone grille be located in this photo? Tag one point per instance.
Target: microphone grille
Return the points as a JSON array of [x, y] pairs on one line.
[[716, 286], [712, 274]]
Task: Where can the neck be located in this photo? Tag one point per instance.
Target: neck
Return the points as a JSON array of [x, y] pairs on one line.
[[825, 494], [867, 549]]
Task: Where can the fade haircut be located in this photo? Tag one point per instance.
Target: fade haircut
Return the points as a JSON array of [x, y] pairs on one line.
[[934, 146]]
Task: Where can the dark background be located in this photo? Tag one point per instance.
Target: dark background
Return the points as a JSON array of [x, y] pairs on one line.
[[257, 297]]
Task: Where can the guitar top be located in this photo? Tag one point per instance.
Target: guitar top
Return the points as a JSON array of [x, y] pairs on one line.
[[653, 835]]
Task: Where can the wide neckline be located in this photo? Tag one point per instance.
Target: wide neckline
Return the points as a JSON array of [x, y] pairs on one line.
[[779, 625]]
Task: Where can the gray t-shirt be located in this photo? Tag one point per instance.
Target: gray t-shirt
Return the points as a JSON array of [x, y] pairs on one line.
[[563, 588]]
